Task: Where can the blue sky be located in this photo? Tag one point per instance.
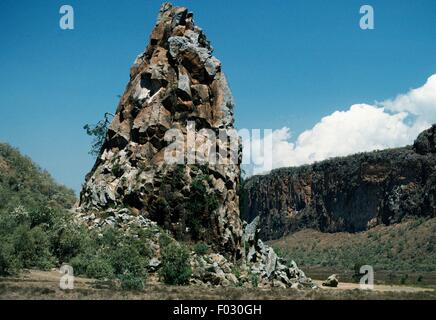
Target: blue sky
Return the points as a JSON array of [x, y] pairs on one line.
[[289, 63]]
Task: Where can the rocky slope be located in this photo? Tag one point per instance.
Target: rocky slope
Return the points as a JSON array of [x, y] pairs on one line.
[[350, 194], [176, 80]]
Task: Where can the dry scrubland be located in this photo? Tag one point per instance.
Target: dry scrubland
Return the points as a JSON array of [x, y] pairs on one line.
[[400, 254], [45, 285]]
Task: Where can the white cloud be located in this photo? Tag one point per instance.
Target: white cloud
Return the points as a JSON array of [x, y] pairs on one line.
[[363, 127], [420, 102]]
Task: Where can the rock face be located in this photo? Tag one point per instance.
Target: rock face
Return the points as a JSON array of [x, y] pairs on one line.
[[266, 266], [346, 194], [175, 85], [260, 267], [426, 141]]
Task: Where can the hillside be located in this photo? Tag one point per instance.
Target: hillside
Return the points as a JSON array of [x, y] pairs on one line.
[[405, 247], [25, 184]]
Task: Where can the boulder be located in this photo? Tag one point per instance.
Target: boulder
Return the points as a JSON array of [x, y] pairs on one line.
[[332, 281]]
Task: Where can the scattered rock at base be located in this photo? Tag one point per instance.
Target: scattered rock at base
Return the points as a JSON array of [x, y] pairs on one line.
[[270, 269], [332, 281]]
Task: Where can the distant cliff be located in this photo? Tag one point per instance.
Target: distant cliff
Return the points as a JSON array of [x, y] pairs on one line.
[[350, 194]]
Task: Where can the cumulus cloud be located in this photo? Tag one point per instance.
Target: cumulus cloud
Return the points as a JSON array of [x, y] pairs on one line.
[[363, 127], [420, 102]]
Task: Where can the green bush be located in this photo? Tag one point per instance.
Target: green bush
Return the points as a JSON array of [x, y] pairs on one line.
[[69, 240], [404, 278], [112, 255], [175, 269], [80, 264], [200, 205], [165, 240], [99, 268], [42, 216], [8, 262], [127, 260], [117, 170], [254, 280], [201, 248], [131, 282], [32, 248]]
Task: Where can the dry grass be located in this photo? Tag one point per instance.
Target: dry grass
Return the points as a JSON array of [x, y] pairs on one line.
[[395, 251], [45, 285]]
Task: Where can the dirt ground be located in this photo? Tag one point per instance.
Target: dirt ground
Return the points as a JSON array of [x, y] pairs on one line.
[[45, 285]]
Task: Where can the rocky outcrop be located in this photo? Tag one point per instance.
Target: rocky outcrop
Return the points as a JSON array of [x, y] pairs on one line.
[[266, 266], [176, 85], [177, 90], [260, 267], [346, 194], [426, 142]]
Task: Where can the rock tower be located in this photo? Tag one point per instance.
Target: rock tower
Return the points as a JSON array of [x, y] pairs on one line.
[[176, 90]]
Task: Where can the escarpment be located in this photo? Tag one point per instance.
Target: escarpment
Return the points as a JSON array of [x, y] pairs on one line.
[[350, 194]]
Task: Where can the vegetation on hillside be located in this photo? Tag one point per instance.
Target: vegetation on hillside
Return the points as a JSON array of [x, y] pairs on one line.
[[24, 184], [37, 231], [34, 222], [408, 246]]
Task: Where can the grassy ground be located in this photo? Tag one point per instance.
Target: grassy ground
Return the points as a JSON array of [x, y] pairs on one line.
[[400, 254], [45, 285]]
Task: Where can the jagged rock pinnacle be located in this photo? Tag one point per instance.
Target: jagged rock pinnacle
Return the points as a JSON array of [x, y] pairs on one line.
[[175, 84]]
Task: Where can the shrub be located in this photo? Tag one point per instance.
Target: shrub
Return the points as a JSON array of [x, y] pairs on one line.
[[201, 248], [117, 170], [80, 264], [132, 282], [69, 241], [201, 203], [176, 269], [8, 262], [404, 278], [100, 268], [164, 240], [254, 280], [42, 216], [127, 260], [32, 248]]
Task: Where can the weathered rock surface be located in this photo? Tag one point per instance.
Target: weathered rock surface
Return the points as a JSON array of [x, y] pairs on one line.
[[261, 267], [263, 262], [175, 80], [350, 194], [332, 281], [426, 141]]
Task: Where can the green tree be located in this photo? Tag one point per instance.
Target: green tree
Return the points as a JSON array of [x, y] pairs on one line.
[[98, 132]]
